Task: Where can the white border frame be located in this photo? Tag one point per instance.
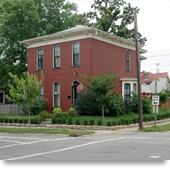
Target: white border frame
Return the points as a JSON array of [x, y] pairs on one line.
[[60, 94], [72, 53]]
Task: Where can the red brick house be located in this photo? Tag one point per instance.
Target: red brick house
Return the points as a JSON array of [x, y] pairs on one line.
[[66, 54]]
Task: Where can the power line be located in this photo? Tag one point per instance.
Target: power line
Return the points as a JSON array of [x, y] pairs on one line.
[[157, 55]]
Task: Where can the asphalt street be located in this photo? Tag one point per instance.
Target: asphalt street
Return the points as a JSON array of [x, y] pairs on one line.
[[103, 147]]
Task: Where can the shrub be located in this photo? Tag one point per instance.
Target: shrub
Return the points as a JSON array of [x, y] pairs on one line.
[[63, 121], [43, 115], [53, 120], [58, 120], [36, 121], [69, 121], [10, 121], [108, 123], [20, 121], [86, 104], [25, 121], [114, 123], [62, 115], [115, 106], [5, 120], [77, 122], [134, 120], [57, 110], [1, 120], [99, 122], [38, 106], [85, 122], [122, 121], [91, 122], [127, 122], [15, 120], [72, 112]]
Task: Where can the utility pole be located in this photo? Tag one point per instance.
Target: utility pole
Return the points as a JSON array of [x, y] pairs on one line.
[[138, 72]]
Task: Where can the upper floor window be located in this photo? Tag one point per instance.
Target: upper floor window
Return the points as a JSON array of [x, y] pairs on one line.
[[76, 54], [56, 93], [56, 56], [41, 96], [128, 61], [40, 59]]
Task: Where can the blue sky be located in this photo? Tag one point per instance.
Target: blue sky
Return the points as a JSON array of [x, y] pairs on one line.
[[154, 24]]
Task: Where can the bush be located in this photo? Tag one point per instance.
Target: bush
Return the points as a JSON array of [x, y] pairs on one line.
[[63, 121], [69, 121], [58, 120], [10, 121], [5, 120], [99, 122], [134, 120], [1, 120], [15, 120], [91, 122], [114, 123], [108, 123], [53, 120], [38, 106], [85, 122], [127, 122], [20, 121], [36, 121], [25, 121], [86, 104], [43, 115], [122, 121], [57, 110], [77, 122], [62, 115], [72, 112], [115, 106]]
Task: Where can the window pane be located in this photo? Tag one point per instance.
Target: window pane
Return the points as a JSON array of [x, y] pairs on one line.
[[76, 54], [127, 61], [56, 56], [127, 91], [56, 94], [40, 59]]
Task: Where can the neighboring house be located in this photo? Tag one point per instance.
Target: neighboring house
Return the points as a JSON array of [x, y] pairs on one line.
[[147, 78], [64, 55]]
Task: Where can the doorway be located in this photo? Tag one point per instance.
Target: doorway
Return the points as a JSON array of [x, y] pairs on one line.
[[74, 91]]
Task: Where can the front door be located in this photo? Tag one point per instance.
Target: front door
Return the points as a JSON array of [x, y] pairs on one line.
[[74, 91]]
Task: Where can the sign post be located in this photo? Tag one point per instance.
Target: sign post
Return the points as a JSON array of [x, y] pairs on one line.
[[155, 101]]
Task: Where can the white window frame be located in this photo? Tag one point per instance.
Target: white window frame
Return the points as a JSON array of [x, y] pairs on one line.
[[73, 54], [54, 57], [129, 61], [37, 59], [54, 95]]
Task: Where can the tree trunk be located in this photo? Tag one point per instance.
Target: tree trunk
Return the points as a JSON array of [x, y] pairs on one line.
[[103, 112], [29, 119]]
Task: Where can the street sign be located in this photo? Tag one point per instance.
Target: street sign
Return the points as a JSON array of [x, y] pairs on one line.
[[156, 86], [155, 100]]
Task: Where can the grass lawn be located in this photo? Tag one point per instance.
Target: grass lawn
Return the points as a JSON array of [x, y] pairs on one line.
[[158, 128], [45, 131], [10, 116]]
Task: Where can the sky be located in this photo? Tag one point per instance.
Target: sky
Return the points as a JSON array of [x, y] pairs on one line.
[[154, 24]]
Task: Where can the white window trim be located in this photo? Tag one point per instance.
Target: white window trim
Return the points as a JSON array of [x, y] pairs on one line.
[[60, 94], [53, 56], [72, 53], [37, 58]]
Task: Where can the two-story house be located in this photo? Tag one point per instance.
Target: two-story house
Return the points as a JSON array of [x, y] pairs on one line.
[[66, 54]]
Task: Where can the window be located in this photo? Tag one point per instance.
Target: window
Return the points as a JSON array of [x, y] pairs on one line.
[[40, 59], [127, 91], [2, 97], [56, 56], [56, 94], [127, 61], [145, 76], [76, 54], [134, 88], [41, 96]]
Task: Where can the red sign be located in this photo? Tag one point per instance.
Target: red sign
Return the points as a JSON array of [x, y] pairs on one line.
[[79, 87]]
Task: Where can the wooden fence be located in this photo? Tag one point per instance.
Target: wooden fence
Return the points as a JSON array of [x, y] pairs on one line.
[[10, 109]]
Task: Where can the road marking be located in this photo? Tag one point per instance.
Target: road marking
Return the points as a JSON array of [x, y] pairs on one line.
[[65, 149], [12, 141], [154, 157], [148, 138]]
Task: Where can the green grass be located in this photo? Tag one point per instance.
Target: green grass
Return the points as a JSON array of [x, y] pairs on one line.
[[13, 116], [159, 128], [45, 131]]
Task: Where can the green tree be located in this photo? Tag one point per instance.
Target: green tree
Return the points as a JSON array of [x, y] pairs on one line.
[[114, 16], [25, 90], [101, 86], [24, 19]]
